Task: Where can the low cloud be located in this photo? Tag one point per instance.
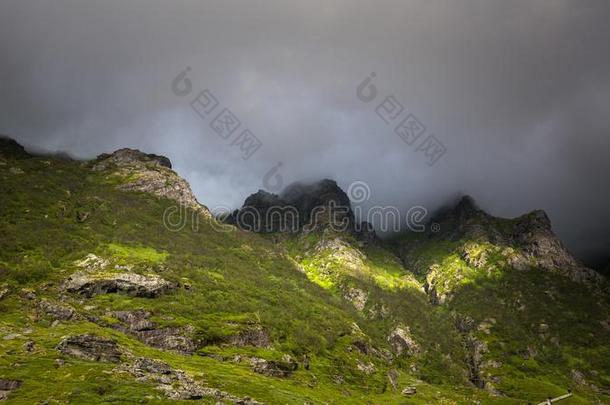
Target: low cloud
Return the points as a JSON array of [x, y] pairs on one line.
[[516, 91]]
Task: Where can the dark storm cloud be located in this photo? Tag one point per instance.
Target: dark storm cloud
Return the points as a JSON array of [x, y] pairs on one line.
[[518, 92]]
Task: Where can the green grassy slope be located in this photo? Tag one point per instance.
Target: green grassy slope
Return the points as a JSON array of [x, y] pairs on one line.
[[305, 291]]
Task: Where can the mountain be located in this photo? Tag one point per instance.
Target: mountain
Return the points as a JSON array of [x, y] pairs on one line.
[[117, 285], [300, 207]]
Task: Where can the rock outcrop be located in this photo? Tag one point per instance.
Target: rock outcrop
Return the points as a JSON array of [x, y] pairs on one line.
[[475, 350], [402, 342], [137, 324], [176, 384], [90, 347], [273, 368], [91, 284], [255, 336], [151, 174], [533, 235], [130, 157], [60, 312], [134, 321]]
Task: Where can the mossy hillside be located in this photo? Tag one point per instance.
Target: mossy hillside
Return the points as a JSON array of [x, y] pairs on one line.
[[522, 311], [393, 297], [57, 212], [476, 276], [50, 243], [458, 277]]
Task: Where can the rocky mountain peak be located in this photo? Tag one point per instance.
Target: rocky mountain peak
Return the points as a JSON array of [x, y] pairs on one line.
[[318, 193], [299, 206], [129, 157], [149, 173], [463, 218], [263, 198], [530, 236]]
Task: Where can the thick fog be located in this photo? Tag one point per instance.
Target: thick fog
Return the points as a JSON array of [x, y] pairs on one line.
[[516, 92]]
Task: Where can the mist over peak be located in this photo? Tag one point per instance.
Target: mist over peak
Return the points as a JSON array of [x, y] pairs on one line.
[[515, 92]]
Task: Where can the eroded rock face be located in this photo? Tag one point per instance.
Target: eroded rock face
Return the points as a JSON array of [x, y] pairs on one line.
[[402, 342], [578, 377], [475, 349], [137, 324], [463, 323], [151, 174], [340, 251], [255, 336], [434, 285], [273, 368], [130, 157], [173, 339], [100, 277], [533, 234], [91, 284], [90, 347], [363, 343], [60, 312], [135, 321], [479, 369]]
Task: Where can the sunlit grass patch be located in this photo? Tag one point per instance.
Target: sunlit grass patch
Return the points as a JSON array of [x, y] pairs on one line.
[[137, 253]]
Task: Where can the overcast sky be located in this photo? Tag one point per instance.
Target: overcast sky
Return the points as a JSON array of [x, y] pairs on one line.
[[518, 92]]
